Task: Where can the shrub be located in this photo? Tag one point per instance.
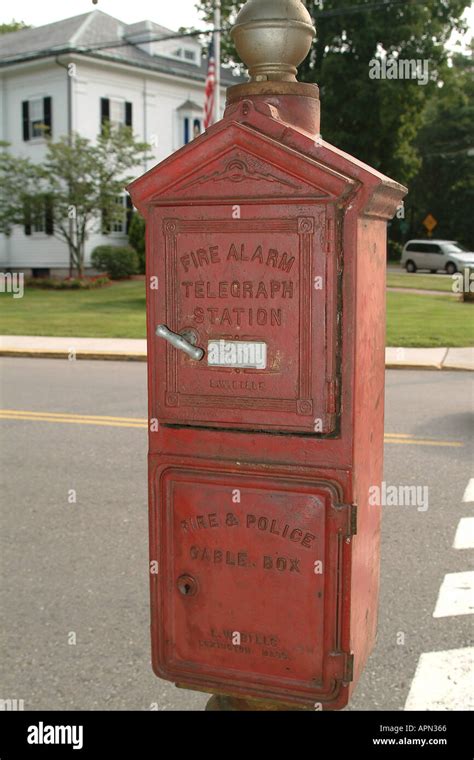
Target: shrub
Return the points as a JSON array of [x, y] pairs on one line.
[[394, 250], [136, 238], [51, 283], [98, 282], [119, 263]]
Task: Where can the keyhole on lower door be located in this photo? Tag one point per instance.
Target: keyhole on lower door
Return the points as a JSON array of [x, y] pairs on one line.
[[187, 585]]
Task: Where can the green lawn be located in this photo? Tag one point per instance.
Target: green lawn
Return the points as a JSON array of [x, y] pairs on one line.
[[119, 311], [428, 321], [420, 281]]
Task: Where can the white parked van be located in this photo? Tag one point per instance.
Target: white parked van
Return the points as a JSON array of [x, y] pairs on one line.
[[435, 255]]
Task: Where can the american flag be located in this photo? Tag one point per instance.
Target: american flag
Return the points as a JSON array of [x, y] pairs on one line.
[[210, 87]]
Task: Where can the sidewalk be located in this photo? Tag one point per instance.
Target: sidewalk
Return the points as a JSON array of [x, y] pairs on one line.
[[430, 358], [135, 350]]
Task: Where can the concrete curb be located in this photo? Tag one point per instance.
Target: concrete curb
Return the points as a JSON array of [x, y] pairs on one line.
[[78, 356], [415, 358], [91, 349], [453, 359], [459, 359], [103, 349]]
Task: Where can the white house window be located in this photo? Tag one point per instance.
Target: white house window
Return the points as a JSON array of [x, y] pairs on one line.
[[192, 128], [190, 121], [38, 217], [116, 112], [37, 118], [119, 225], [190, 55], [197, 128]]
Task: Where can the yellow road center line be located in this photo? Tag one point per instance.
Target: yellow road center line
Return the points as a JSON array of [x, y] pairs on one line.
[[72, 421], [141, 424], [67, 415], [421, 442]]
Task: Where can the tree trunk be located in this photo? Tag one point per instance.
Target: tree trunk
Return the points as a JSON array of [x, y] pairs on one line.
[[80, 260]]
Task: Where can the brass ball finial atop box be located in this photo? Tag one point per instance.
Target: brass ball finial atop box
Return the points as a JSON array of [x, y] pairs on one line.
[[272, 38]]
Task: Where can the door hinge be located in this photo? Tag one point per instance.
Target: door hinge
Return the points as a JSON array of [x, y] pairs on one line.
[[349, 527], [349, 668], [330, 235], [353, 519]]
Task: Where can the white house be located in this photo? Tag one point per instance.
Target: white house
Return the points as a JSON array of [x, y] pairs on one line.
[[142, 75]]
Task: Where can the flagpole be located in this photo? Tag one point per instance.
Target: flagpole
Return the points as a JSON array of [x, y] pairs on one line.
[[217, 43]]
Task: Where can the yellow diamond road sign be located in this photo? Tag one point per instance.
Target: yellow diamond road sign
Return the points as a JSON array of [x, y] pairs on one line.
[[430, 223]]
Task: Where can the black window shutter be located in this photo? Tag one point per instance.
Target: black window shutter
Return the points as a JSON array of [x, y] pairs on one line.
[[27, 213], [105, 222], [128, 114], [104, 110], [49, 217], [26, 120], [129, 212], [47, 116]]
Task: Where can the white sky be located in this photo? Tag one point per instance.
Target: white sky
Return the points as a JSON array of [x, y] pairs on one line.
[[170, 13]]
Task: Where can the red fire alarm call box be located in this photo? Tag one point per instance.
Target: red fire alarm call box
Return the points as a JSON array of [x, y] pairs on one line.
[[266, 251]]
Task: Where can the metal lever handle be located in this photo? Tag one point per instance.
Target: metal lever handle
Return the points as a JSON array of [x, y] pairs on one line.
[[180, 343]]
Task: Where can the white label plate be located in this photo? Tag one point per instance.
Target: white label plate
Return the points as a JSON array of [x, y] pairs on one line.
[[237, 354]]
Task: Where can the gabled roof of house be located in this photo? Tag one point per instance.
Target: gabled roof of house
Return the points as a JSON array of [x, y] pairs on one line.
[[189, 105], [101, 36]]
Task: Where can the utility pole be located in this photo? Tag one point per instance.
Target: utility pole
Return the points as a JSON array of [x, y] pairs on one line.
[[217, 47]]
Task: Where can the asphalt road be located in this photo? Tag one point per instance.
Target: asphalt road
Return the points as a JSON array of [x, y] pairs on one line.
[[80, 570]]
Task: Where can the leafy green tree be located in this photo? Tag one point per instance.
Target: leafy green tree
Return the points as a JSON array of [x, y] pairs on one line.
[[13, 26], [85, 182], [444, 186], [18, 181], [376, 120], [229, 10], [136, 238]]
